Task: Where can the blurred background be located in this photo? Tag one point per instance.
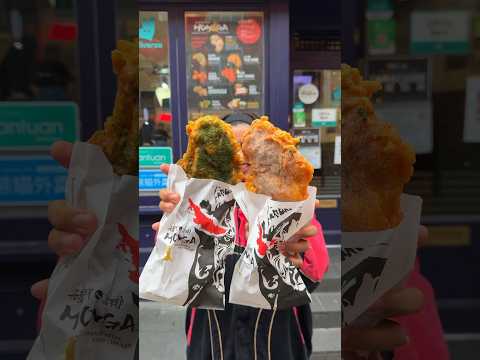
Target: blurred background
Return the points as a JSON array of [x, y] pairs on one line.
[[56, 82], [426, 55]]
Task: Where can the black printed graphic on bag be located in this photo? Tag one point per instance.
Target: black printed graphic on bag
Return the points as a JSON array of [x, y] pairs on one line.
[[212, 237], [278, 278], [108, 317], [361, 279]]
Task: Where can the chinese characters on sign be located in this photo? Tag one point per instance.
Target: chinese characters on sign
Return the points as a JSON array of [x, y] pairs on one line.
[[150, 159], [28, 180]]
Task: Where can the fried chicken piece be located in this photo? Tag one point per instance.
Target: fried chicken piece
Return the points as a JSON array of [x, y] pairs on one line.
[[376, 163], [235, 60], [212, 151], [200, 76], [200, 91], [119, 138], [200, 58], [229, 74], [276, 167]]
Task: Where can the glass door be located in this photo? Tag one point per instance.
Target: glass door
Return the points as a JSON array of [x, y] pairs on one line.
[[316, 117], [155, 117]]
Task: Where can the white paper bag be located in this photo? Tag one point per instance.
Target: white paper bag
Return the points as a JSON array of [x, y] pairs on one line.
[[92, 300], [263, 277], [187, 264], [375, 262]]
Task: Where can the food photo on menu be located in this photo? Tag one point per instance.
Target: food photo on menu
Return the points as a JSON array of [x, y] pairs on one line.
[[225, 59]]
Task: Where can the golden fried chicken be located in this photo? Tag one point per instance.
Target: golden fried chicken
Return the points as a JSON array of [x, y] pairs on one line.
[[212, 151], [276, 167], [235, 60], [119, 138], [376, 162], [200, 58]]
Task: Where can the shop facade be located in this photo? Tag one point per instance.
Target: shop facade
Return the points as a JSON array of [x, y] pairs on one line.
[[200, 58], [426, 55]]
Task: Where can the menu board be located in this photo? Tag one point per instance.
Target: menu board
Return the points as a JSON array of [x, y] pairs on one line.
[[225, 61]]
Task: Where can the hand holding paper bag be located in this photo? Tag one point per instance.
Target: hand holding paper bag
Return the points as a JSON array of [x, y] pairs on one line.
[[187, 262], [199, 233], [263, 277], [92, 295]]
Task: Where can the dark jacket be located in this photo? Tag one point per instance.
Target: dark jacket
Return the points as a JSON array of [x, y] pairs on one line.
[[246, 333]]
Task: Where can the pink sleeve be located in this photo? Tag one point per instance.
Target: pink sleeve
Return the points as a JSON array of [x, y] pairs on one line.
[[424, 328], [316, 260]]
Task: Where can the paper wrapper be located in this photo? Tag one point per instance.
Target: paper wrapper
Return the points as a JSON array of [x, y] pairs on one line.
[[375, 262], [91, 310], [187, 264], [263, 277]]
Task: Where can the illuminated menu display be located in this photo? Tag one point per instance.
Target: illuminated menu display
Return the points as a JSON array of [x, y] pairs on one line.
[[224, 62]]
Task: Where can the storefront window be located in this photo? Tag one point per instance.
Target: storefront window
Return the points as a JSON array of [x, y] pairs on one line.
[[38, 51], [154, 80], [225, 62], [316, 116]]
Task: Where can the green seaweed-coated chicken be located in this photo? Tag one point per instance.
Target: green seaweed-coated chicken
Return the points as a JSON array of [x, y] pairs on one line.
[[212, 152]]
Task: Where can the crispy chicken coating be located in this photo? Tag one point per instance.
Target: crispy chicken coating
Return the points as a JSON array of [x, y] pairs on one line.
[[376, 162], [212, 151], [276, 167], [119, 138]]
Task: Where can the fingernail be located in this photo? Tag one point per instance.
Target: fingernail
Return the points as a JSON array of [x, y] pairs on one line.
[[75, 242], [82, 220]]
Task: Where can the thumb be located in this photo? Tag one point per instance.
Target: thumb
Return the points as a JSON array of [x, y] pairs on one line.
[[165, 168], [39, 289]]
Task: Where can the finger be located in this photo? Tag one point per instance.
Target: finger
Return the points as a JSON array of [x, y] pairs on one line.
[[63, 243], [163, 193], [422, 236], [299, 246], [39, 290], [169, 196], [67, 219], [166, 207], [398, 302], [296, 260], [304, 232], [386, 336], [61, 151], [156, 226], [165, 168]]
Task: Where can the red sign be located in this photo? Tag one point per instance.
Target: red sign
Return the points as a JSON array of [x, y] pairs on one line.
[[248, 31], [62, 32]]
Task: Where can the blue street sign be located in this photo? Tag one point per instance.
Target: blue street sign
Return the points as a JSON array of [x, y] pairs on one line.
[[31, 180], [151, 180]]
